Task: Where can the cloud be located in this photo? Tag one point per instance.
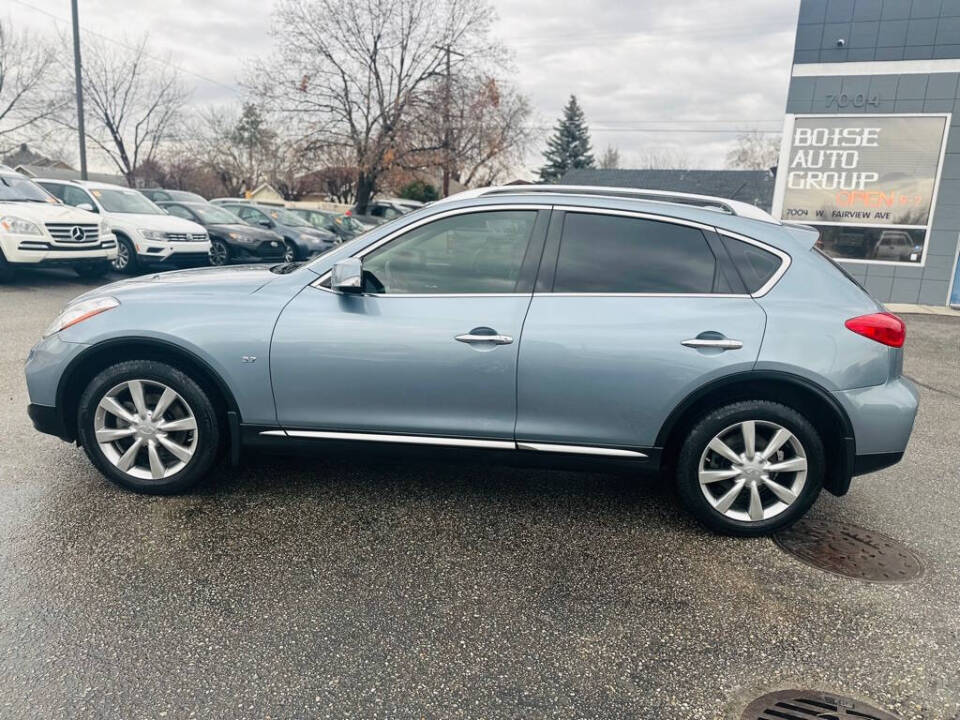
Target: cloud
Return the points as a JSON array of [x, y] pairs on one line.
[[643, 69]]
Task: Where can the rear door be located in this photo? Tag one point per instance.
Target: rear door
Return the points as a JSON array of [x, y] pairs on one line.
[[631, 313]]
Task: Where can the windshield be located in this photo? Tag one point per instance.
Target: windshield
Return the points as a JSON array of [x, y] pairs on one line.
[[125, 201], [285, 217], [212, 214], [15, 188], [351, 223]]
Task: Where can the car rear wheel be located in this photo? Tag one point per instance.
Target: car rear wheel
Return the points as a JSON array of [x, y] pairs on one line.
[[219, 253], [148, 427], [750, 468], [126, 260]]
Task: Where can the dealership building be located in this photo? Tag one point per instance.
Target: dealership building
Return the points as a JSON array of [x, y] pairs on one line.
[[871, 145]]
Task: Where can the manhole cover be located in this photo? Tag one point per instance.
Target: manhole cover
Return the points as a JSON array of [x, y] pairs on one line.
[[808, 704], [850, 551]]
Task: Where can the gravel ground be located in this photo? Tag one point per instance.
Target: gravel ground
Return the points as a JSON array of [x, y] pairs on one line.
[[376, 588]]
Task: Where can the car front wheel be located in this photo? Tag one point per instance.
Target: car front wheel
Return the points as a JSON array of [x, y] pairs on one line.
[[750, 468], [289, 251], [219, 253], [148, 427], [126, 260]]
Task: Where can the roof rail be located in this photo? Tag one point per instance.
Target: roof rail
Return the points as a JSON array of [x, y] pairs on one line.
[[730, 207]]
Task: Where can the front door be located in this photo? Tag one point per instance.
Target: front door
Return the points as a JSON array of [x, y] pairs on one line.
[[637, 314], [429, 348]]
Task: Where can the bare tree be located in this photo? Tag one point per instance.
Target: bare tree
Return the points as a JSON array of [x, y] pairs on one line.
[[237, 145], [29, 88], [755, 150], [134, 104], [487, 121], [350, 72], [610, 160], [665, 158]]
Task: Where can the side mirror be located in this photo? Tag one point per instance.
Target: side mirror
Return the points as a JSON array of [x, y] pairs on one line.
[[87, 206], [347, 276]]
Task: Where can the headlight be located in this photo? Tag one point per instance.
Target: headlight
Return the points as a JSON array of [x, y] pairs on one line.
[[153, 235], [80, 312], [242, 238], [19, 226]]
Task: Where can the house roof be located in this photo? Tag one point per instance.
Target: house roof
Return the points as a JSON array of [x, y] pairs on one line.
[[25, 156], [752, 186], [58, 173]]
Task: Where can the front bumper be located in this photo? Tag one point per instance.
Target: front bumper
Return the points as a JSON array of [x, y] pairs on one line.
[[173, 253], [48, 420], [44, 250], [267, 250]]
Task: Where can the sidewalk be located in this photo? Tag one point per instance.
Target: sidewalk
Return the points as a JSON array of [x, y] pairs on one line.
[[906, 308]]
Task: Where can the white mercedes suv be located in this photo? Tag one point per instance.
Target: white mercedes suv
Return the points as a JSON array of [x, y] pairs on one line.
[[146, 235], [36, 230]]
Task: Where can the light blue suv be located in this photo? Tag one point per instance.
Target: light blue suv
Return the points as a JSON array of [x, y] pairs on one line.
[[590, 326]]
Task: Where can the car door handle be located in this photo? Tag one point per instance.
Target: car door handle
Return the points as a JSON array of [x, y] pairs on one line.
[[718, 343], [471, 337]]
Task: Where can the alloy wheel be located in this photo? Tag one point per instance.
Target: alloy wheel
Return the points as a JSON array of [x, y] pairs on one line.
[[753, 470], [219, 255], [289, 252], [145, 429], [123, 257]]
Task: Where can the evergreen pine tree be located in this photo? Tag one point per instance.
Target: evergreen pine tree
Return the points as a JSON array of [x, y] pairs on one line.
[[569, 147]]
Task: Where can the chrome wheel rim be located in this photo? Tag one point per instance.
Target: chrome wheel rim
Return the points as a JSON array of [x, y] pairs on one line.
[[289, 253], [753, 470], [123, 257], [218, 254], [145, 429]]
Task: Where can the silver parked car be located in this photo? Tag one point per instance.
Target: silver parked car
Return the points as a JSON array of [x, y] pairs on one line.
[[612, 328]]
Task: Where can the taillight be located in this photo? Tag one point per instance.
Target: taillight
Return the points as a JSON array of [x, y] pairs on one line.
[[885, 328]]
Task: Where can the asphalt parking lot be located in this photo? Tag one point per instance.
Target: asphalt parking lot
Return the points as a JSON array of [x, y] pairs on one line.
[[370, 588]]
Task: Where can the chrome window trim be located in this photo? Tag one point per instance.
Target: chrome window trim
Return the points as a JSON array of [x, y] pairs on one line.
[[536, 207], [453, 442]]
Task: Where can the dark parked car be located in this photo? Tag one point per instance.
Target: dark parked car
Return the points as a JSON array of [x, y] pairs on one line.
[[301, 239], [380, 211], [231, 239], [345, 227], [159, 195]]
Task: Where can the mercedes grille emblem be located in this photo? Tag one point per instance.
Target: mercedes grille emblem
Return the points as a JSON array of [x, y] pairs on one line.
[[77, 234]]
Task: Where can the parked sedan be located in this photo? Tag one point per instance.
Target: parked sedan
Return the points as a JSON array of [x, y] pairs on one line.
[[345, 227], [301, 240], [693, 335], [231, 239], [384, 209]]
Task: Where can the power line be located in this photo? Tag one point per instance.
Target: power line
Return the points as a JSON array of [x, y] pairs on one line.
[[163, 61]]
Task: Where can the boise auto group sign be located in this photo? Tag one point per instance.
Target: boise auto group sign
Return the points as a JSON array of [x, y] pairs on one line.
[[862, 170]]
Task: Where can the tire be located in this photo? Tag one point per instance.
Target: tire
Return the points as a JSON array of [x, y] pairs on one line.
[[93, 270], [126, 261], [219, 253], [722, 475], [290, 253], [179, 472], [6, 269]]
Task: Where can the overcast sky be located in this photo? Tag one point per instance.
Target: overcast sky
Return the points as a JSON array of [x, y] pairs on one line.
[[682, 76]]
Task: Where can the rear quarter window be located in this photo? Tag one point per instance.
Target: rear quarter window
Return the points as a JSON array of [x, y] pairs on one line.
[[755, 265]]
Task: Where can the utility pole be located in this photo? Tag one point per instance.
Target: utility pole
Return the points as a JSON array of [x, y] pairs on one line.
[[447, 124], [79, 80]]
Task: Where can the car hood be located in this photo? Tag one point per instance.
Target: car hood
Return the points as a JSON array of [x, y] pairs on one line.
[[163, 223], [246, 230], [42, 212], [242, 279]]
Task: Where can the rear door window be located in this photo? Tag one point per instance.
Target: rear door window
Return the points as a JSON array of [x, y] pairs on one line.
[[618, 254]]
